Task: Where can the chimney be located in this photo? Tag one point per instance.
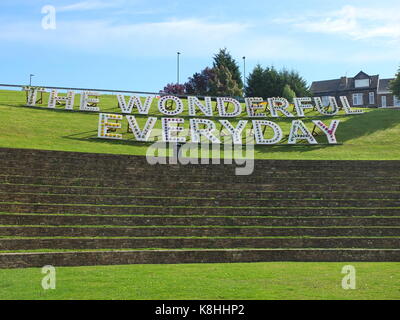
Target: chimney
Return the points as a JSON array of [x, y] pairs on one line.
[[343, 82]]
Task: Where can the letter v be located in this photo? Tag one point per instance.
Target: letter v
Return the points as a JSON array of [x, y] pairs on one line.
[[141, 135]]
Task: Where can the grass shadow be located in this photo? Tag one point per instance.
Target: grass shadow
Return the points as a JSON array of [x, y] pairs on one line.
[[353, 127]]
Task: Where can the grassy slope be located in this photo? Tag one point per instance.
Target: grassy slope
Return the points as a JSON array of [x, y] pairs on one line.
[[206, 281], [373, 135]]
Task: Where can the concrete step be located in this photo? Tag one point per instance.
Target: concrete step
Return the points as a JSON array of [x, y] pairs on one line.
[[98, 220], [162, 231], [197, 202], [79, 201], [204, 243], [228, 194], [270, 185], [58, 259], [70, 157], [154, 175], [200, 211], [93, 170]]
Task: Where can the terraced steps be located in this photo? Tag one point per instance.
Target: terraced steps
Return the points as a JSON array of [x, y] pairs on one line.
[[155, 221], [185, 193], [301, 184], [123, 231], [215, 211], [37, 156], [64, 208], [120, 257], [196, 202], [205, 243]]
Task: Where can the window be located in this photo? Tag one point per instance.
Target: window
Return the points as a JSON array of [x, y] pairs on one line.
[[361, 83], [396, 101], [325, 101], [384, 102], [371, 98], [358, 99]]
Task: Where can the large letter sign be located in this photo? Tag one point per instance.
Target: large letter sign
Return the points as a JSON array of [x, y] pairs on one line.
[[141, 135], [105, 126], [207, 132], [259, 134], [169, 130], [134, 101], [68, 100], [298, 125], [197, 122], [87, 99]]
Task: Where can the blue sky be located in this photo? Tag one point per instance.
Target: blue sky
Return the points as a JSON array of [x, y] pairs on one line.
[[132, 45]]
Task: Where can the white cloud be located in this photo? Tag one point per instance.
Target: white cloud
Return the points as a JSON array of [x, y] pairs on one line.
[[89, 5], [354, 22], [193, 37]]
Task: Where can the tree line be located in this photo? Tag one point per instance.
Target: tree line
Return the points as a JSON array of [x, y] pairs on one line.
[[225, 79]]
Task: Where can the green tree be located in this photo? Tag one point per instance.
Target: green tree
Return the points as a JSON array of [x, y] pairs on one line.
[[199, 83], [395, 85], [264, 83], [224, 58], [288, 93], [223, 84], [256, 83], [274, 82], [269, 82], [296, 83]]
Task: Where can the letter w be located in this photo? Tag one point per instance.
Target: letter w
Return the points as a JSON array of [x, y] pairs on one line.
[[134, 101]]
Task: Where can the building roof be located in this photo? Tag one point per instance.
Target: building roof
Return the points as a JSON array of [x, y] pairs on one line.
[[345, 83], [384, 85], [325, 86]]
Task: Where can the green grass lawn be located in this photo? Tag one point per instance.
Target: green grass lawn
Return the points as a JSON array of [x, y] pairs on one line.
[[206, 281], [370, 136]]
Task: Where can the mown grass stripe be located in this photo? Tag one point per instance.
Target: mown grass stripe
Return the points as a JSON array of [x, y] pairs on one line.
[[194, 216], [197, 227], [195, 237], [209, 190], [190, 249], [191, 198], [190, 207]]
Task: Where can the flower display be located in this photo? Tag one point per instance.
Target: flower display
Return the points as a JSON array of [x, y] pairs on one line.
[[194, 102], [167, 130], [141, 135], [222, 108], [298, 125], [330, 130], [236, 133], [196, 132], [104, 125], [259, 132], [302, 103], [279, 104], [162, 105], [68, 100], [88, 103], [134, 102], [253, 104]]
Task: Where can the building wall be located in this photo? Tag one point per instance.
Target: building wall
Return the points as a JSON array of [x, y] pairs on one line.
[[378, 98], [365, 94], [389, 100]]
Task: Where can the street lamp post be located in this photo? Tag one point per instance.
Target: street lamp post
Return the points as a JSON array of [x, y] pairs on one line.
[[244, 72], [30, 79], [178, 55]]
